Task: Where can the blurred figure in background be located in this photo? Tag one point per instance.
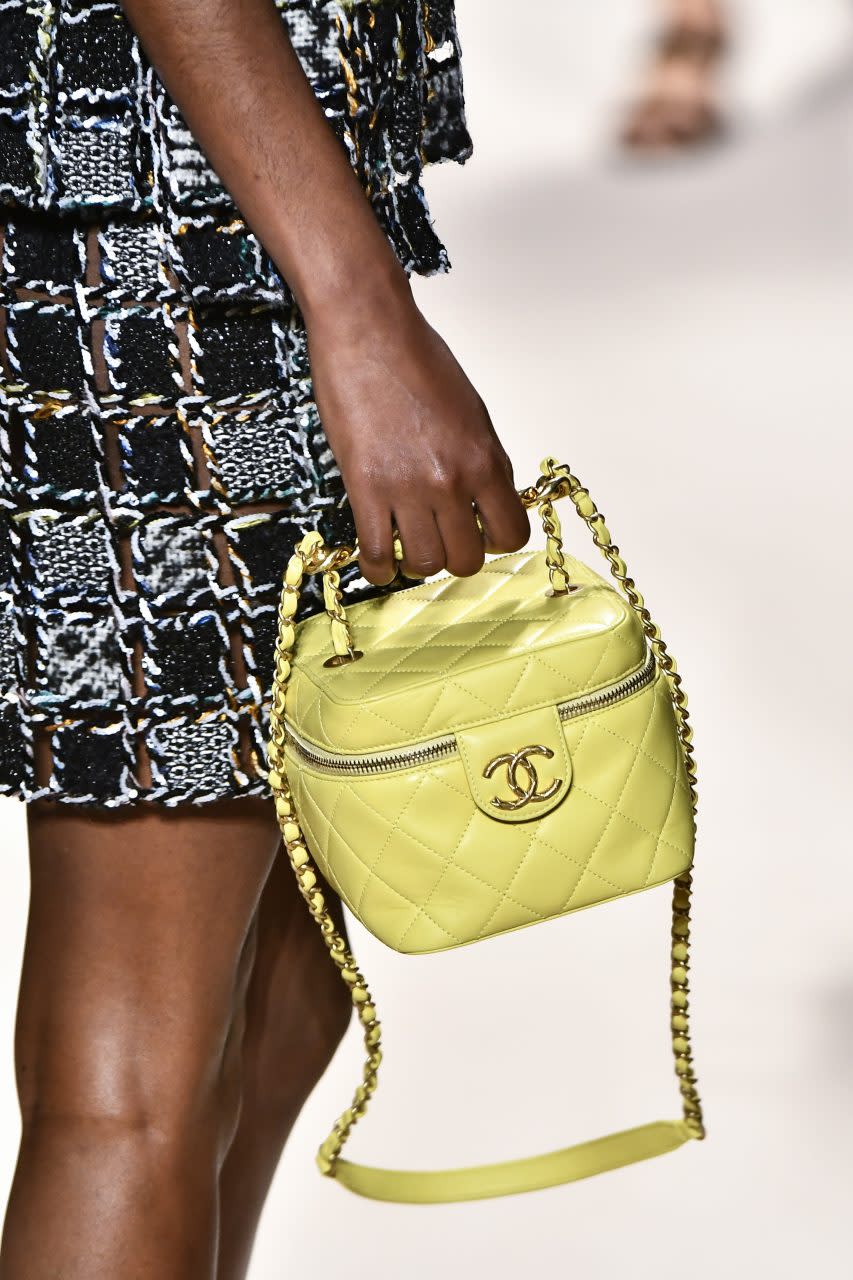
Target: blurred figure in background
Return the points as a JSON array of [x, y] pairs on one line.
[[678, 106]]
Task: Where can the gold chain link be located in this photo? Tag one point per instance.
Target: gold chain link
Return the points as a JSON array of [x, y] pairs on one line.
[[554, 549]]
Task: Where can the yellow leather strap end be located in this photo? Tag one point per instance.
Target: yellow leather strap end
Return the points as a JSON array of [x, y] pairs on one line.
[[532, 1174]]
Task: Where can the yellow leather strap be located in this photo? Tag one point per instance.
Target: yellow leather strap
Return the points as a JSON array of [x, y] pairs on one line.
[[484, 1182]]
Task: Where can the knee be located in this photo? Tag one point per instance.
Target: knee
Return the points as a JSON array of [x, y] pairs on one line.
[[309, 1038], [128, 1077], [320, 1012], [284, 1063], [327, 1027]]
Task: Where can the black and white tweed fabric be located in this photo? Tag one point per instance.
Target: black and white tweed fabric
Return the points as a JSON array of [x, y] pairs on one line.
[[160, 450]]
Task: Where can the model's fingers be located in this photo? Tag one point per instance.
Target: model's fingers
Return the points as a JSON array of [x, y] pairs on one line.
[[423, 548], [506, 525], [464, 547], [374, 529]]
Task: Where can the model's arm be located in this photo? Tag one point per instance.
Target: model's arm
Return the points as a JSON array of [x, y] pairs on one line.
[[412, 438]]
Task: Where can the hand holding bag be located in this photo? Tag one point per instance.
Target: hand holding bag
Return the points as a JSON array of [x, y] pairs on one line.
[[500, 750]]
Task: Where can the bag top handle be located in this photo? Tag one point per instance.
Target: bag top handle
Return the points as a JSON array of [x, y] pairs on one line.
[[554, 482]]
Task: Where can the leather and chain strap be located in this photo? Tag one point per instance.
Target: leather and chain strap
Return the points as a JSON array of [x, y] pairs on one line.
[[311, 555], [557, 481], [572, 1163]]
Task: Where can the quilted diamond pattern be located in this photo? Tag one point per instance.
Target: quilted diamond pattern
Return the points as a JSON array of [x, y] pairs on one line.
[[456, 652], [426, 870]]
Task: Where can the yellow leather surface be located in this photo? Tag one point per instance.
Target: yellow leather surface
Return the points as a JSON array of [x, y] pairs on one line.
[[485, 750], [455, 652], [425, 869], [482, 1182]]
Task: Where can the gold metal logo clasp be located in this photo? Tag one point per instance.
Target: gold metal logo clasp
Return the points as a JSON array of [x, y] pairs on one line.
[[519, 763]]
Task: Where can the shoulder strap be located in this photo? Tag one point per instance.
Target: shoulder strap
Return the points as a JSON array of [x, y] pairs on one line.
[[557, 1167], [486, 1182]]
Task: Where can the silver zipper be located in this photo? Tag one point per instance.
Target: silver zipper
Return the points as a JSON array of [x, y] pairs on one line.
[[439, 748]]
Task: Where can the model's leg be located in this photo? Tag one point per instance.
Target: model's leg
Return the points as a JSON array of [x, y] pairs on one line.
[[128, 1039], [297, 1010], [677, 106]]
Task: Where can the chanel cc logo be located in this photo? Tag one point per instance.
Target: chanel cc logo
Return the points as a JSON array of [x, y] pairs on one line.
[[518, 767]]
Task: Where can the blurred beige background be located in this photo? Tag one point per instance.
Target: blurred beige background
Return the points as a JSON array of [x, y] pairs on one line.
[[681, 334]]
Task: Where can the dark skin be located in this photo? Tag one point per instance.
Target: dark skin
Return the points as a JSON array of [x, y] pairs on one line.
[[142, 940], [176, 1002]]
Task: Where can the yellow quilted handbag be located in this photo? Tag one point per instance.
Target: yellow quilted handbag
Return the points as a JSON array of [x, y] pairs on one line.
[[498, 750]]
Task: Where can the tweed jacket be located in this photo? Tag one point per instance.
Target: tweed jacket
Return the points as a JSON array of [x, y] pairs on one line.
[[87, 129]]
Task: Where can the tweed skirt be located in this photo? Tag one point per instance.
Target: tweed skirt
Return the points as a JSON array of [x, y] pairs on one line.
[[160, 448]]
